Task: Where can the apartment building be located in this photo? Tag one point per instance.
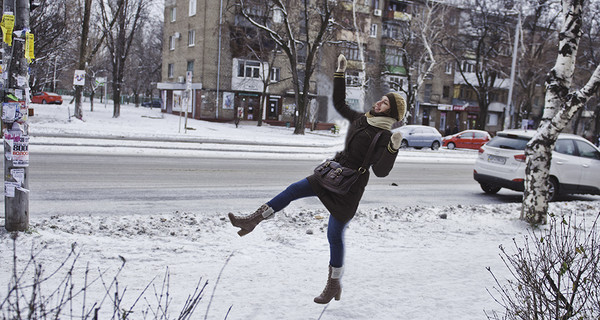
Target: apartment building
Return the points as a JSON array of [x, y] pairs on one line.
[[204, 54]]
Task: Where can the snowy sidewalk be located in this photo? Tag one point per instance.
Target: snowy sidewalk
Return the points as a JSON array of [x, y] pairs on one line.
[[144, 131]]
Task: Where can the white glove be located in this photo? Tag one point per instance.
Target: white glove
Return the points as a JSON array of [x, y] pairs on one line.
[[341, 64], [396, 139]]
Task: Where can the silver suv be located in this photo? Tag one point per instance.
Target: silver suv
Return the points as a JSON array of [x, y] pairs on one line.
[[575, 166]]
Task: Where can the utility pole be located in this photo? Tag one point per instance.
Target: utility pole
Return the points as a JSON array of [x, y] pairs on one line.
[[508, 110], [17, 44]]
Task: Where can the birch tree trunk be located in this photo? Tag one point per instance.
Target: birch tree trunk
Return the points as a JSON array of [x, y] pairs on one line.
[[560, 106]]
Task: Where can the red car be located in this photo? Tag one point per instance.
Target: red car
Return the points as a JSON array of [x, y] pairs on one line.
[[46, 97], [469, 139]]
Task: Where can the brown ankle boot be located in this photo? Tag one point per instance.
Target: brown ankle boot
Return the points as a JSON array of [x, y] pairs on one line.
[[333, 289], [249, 222]]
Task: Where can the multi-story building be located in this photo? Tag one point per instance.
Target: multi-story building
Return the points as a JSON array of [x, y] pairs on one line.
[[206, 50]]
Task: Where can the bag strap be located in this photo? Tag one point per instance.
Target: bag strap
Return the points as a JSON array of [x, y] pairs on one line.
[[365, 163]]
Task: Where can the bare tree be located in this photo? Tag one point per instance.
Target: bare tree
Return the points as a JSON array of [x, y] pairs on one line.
[[88, 47], [560, 106], [418, 40], [535, 58], [50, 23], [589, 55], [478, 51], [256, 44], [300, 29], [144, 63], [129, 15]]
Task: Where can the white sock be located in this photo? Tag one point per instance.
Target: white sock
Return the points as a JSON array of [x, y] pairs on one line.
[[336, 273], [267, 213]]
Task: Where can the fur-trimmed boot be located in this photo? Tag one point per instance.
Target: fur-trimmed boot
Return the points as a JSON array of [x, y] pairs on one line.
[[249, 222], [333, 289]]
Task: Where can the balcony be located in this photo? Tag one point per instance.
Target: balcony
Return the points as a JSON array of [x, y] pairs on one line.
[[397, 15]]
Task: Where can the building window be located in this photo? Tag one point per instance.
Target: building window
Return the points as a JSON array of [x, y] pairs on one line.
[[446, 92], [171, 70], [173, 14], [391, 31], [468, 67], [427, 93], [453, 19], [277, 16], [191, 38], [193, 7], [396, 83], [492, 119], [249, 69], [351, 52], [373, 33], [449, 67], [275, 74], [171, 43], [395, 5], [393, 57], [352, 79], [190, 66]]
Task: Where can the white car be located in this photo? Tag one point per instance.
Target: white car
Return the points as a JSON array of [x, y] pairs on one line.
[[575, 166], [417, 136]]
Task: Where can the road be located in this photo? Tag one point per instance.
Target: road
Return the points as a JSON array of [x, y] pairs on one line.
[[108, 184]]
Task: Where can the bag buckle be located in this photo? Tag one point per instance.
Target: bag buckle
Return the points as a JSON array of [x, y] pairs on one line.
[[362, 170]]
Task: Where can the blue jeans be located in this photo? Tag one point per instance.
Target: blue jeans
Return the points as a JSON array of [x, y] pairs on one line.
[[335, 228]]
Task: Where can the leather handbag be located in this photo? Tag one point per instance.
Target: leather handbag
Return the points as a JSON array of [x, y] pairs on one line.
[[337, 178]]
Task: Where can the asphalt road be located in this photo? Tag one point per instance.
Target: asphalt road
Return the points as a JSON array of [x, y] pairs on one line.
[[108, 184]]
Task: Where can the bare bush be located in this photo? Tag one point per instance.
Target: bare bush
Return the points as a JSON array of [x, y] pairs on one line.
[[555, 273], [30, 296]]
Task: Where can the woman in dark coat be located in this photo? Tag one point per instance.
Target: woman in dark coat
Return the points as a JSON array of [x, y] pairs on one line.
[[342, 207]]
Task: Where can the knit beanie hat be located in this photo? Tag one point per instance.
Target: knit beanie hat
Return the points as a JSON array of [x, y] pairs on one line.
[[397, 105]]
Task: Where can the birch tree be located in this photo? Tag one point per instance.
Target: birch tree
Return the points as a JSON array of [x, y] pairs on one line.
[[300, 29], [561, 104]]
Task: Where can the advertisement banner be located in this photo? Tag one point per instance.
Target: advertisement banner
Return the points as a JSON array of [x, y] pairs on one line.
[[79, 78], [228, 100]]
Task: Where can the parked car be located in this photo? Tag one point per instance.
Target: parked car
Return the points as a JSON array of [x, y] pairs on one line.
[[154, 103], [46, 97], [469, 139], [418, 136], [574, 167]]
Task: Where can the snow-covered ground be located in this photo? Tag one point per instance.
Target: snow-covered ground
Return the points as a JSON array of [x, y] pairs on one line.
[[401, 263]]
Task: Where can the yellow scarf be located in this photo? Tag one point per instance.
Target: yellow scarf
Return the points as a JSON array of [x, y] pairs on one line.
[[380, 122]]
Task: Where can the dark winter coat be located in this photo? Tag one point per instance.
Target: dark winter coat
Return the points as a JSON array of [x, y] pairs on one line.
[[343, 207]]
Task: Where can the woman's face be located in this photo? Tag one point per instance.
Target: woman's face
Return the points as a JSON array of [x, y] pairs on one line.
[[382, 105]]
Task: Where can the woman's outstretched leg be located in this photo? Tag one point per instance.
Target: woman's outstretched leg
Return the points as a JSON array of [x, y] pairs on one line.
[[300, 189]]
